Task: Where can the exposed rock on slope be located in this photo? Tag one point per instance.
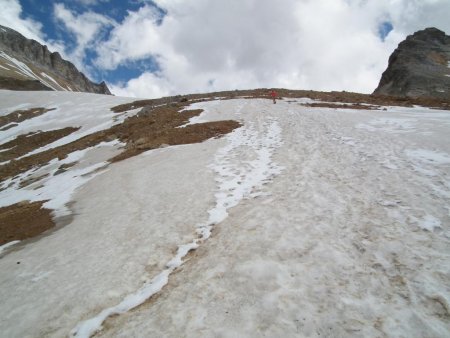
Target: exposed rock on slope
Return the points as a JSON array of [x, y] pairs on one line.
[[25, 64], [419, 67]]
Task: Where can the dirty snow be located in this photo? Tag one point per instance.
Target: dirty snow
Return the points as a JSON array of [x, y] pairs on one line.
[[304, 223]]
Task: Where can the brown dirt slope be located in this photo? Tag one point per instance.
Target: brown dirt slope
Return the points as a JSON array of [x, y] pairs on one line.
[[23, 220]]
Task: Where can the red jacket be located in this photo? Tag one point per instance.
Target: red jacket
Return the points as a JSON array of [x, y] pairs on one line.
[[273, 93]]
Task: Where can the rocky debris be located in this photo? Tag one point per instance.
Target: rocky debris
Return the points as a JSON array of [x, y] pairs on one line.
[[419, 67], [35, 55]]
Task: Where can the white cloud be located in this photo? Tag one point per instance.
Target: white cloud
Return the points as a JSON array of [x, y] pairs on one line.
[[10, 11], [134, 39], [86, 28], [209, 45], [10, 16], [205, 45], [144, 86]]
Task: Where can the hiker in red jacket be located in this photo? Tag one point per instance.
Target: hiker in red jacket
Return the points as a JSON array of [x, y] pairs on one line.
[[273, 94]]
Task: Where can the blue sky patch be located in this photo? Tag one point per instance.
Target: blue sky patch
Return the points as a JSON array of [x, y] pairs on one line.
[[43, 11], [384, 29]]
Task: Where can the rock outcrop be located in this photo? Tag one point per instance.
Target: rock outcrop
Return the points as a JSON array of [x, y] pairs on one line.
[[26, 61], [419, 67]]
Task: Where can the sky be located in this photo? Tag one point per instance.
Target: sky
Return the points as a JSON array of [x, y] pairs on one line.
[[149, 49]]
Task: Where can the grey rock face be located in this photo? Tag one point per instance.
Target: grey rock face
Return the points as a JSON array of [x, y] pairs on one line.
[[32, 52], [419, 67]]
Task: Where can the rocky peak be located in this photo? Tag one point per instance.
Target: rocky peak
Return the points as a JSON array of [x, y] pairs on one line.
[[45, 69], [419, 67]]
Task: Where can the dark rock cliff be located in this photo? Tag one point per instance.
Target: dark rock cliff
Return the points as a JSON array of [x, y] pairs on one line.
[[33, 53], [419, 67]]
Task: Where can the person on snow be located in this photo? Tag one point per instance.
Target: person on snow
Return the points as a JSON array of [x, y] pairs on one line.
[[273, 94]]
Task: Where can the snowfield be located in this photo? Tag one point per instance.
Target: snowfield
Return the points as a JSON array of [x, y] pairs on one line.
[[306, 222]]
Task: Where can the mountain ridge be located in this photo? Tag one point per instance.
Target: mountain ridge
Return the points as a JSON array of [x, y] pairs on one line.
[[419, 66], [28, 65]]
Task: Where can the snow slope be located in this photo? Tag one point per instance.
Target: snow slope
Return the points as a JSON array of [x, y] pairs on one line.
[[307, 222], [90, 112]]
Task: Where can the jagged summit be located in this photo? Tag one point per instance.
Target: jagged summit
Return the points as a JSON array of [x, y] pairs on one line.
[[419, 67], [25, 64]]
